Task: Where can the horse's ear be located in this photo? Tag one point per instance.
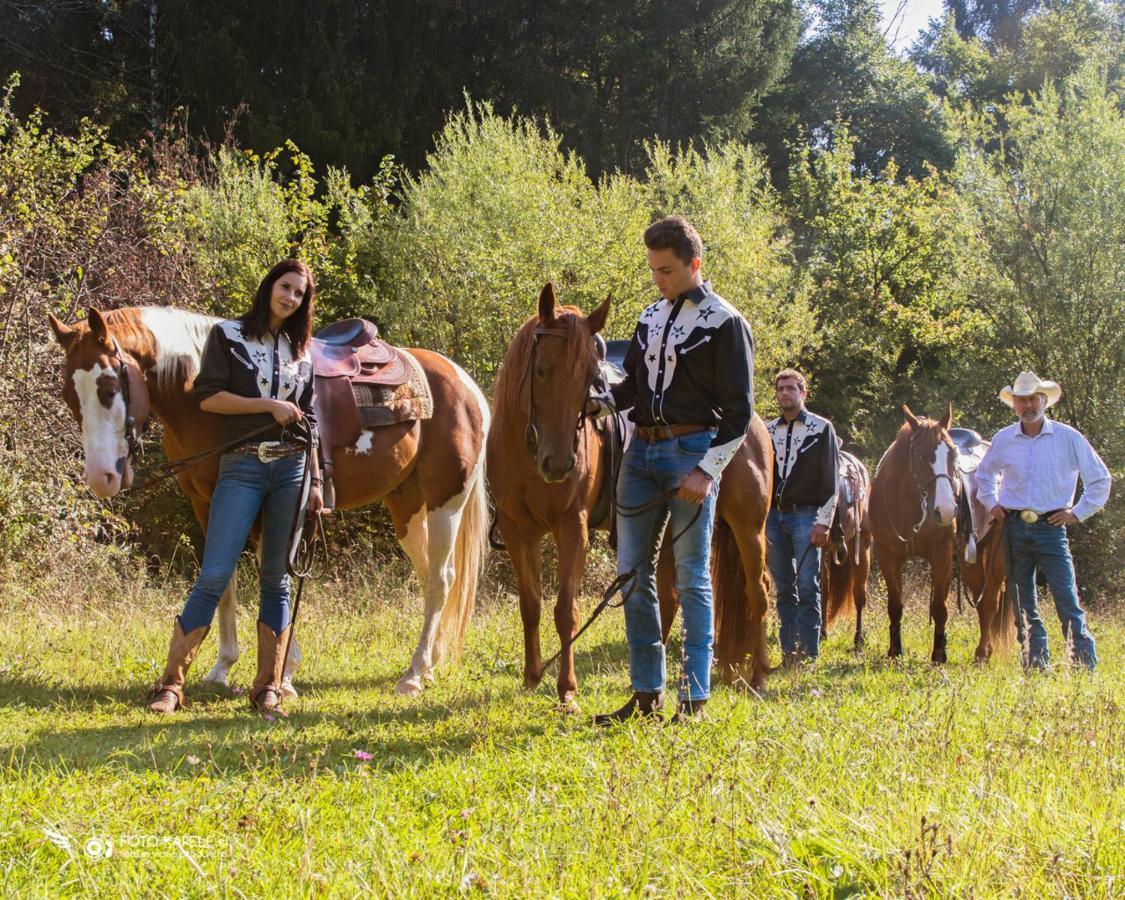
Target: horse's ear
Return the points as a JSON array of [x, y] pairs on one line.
[[64, 334], [911, 419], [547, 304], [948, 420], [597, 319], [98, 327]]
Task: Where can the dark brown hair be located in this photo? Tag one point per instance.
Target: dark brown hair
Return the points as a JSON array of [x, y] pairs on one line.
[[298, 327], [674, 233], [795, 376]]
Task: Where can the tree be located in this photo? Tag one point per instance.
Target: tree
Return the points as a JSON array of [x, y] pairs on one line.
[[845, 70]]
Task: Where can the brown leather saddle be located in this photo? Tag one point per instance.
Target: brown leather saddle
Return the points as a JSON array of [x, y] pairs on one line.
[[344, 354]]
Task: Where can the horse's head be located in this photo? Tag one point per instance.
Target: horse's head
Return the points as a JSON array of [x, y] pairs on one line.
[[562, 365], [106, 391], [932, 458]]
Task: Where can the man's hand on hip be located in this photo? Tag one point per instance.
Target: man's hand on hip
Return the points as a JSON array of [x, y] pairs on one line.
[[819, 536], [1063, 517], [696, 486]]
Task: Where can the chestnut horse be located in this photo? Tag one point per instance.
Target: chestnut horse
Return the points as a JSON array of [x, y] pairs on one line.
[[546, 474], [429, 473], [846, 561], [980, 557], [913, 506]]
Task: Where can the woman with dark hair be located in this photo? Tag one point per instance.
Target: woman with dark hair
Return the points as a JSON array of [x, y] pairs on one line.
[[254, 369]]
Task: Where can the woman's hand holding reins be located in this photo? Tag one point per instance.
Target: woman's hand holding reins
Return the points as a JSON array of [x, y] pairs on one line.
[[284, 412]]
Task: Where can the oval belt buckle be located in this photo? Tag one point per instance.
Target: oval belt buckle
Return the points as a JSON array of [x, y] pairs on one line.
[[264, 449], [1029, 516]]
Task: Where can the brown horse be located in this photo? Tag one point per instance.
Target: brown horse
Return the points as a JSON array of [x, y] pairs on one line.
[[429, 473], [545, 469], [846, 561], [980, 556], [913, 506]]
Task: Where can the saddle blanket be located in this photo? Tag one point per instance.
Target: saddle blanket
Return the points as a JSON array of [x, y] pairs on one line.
[[382, 405]]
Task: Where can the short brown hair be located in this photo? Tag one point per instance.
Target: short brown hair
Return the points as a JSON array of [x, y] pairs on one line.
[[674, 233], [793, 374]]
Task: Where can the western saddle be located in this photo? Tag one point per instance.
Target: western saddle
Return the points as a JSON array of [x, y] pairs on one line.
[[345, 353]]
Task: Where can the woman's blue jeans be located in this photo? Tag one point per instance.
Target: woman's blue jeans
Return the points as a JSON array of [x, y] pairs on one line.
[[246, 486], [1045, 546], [798, 591], [647, 470]]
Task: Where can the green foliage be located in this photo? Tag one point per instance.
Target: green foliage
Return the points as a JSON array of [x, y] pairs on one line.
[[887, 260], [1049, 202], [501, 209]]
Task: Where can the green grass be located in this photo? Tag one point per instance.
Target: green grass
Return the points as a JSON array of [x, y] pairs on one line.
[[864, 777]]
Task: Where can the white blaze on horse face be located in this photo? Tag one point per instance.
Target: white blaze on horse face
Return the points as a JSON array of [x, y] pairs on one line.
[[103, 434], [945, 504]]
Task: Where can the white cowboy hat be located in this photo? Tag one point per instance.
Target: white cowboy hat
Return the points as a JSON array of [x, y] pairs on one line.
[[1029, 383]]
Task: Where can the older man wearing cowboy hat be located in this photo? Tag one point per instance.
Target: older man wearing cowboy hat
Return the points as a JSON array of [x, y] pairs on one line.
[[1028, 480]]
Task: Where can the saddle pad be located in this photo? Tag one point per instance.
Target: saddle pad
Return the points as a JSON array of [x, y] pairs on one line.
[[386, 405]]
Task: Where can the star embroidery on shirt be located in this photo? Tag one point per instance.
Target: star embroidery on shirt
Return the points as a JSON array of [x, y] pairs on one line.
[[706, 312], [678, 331], [652, 357]]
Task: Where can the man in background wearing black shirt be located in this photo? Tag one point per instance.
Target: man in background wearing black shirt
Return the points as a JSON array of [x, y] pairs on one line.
[[805, 464]]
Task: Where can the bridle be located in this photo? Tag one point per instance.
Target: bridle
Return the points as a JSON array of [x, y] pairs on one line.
[[528, 376], [132, 427], [923, 493]]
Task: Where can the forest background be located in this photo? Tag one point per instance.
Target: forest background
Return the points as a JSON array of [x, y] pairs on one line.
[[910, 227]]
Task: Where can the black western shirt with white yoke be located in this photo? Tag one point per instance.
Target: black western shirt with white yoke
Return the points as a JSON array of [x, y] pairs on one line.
[[254, 367], [806, 460], [691, 362]]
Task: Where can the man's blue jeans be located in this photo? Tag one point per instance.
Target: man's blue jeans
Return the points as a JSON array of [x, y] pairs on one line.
[[649, 469], [798, 592], [1045, 546], [247, 485]]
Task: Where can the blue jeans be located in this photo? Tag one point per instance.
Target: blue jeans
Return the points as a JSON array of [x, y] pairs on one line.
[[798, 592], [1045, 546], [245, 487], [647, 470]]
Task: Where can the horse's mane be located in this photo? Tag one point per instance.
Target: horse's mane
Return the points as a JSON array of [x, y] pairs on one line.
[[177, 337], [510, 382]]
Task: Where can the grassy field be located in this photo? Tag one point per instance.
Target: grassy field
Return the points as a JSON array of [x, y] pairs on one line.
[[863, 777]]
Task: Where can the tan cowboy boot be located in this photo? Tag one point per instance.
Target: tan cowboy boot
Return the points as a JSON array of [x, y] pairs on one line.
[[265, 692], [167, 695]]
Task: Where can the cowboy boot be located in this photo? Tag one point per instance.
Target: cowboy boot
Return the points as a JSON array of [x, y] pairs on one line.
[[167, 695], [688, 710], [643, 704], [265, 692]]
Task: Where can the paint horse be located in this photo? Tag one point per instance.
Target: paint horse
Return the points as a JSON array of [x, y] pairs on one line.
[[980, 552], [547, 473], [913, 506], [846, 561], [430, 473]]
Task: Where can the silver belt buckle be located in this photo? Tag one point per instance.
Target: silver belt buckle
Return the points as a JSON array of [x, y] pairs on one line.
[[1029, 516], [264, 449]]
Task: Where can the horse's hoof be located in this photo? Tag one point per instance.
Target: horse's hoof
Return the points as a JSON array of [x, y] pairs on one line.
[[409, 686], [429, 677], [938, 659], [531, 680], [894, 653], [568, 706], [217, 679], [288, 692]]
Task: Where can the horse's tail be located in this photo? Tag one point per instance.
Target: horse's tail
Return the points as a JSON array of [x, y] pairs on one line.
[[1003, 629], [837, 591], [733, 638], [469, 551]]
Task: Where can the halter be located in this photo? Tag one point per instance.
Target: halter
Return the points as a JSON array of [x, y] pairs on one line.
[[532, 432], [924, 494], [132, 436]]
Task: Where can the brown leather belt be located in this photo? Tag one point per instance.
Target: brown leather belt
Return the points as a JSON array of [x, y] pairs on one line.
[[653, 433], [267, 451]]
